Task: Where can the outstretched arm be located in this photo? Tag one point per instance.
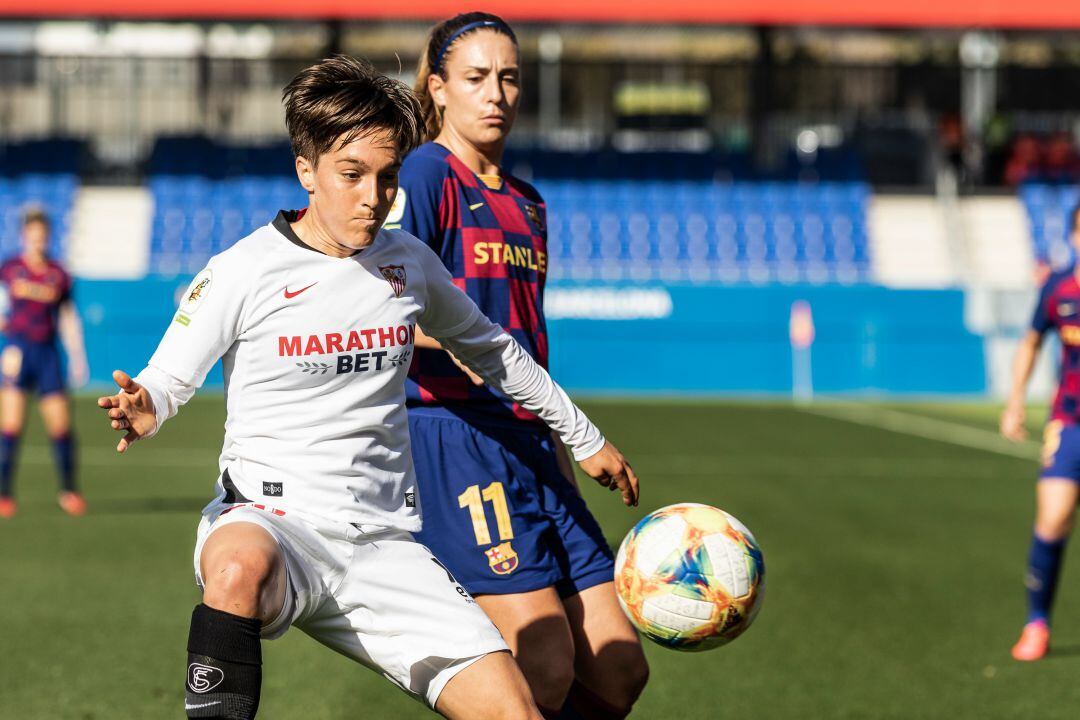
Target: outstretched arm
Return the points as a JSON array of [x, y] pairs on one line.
[[189, 348], [144, 403], [1014, 414], [131, 411], [454, 320], [71, 335], [423, 340], [496, 357]]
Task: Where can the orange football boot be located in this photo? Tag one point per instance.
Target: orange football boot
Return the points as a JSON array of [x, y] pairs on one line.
[[7, 507], [72, 503], [1034, 642]]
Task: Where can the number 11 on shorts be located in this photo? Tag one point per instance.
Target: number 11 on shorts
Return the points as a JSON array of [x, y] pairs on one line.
[[473, 498]]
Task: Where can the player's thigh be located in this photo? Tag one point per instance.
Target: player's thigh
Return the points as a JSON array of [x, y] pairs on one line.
[[55, 413], [12, 410], [529, 619], [607, 649], [490, 688], [482, 506], [400, 612], [1058, 488], [243, 569], [535, 626]]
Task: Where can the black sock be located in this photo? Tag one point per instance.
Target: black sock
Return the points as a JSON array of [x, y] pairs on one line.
[[224, 673]]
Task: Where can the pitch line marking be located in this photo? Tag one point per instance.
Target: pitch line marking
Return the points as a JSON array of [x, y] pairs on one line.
[[106, 456], [928, 428]]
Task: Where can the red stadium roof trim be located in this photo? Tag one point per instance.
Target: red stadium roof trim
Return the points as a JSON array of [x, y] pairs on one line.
[[944, 13]]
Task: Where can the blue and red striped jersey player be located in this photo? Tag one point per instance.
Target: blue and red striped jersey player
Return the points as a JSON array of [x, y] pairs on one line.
[[40, 309], [501, 509], [1058, 489]]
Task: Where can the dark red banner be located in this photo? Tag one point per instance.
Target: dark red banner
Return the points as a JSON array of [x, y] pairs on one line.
[[940, 13]]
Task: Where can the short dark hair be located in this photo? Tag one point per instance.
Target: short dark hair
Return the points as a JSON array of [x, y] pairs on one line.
[[35, 214], [345, 97]]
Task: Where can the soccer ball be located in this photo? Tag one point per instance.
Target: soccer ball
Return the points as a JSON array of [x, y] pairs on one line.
[[690, 577]]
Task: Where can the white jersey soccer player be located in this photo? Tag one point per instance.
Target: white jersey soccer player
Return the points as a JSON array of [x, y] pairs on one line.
[[315, 351], [314, 317]]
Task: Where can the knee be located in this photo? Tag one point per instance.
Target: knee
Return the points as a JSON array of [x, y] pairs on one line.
[[550, 673], [239, 583], [1051, 527], [613, 680], [637, 674], [630, 671]]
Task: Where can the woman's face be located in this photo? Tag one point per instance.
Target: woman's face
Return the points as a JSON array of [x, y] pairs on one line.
[[35, 238], [480, 94], [352, 187]]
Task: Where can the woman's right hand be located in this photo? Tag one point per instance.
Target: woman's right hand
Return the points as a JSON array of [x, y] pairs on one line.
[[131, 410], [1012, 422]]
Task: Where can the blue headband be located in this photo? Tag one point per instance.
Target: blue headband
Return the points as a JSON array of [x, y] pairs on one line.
[[501, 27]]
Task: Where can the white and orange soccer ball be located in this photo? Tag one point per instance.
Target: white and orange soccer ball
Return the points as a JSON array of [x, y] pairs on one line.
[[690, 577]]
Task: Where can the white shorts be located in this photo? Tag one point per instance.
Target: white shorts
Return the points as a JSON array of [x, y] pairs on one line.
[[379, 597]]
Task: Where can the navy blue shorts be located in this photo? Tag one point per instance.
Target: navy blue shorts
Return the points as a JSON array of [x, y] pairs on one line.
[[498, 512], [32, 366]]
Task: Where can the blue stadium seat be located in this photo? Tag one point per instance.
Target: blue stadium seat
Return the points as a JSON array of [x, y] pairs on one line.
[[1048, 208], [611, 216]]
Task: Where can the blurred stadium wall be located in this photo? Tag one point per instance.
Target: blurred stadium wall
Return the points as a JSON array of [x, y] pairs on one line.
[[905, 170]]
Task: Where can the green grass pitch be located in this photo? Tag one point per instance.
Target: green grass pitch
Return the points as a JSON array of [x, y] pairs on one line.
[[894, 567]]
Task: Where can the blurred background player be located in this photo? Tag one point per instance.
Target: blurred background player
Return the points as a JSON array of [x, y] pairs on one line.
[[542, 570], [1058, 488], [40, 307]]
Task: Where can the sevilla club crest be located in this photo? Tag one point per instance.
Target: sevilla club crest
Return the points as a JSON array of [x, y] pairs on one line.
[[502, 559], [395, 275]]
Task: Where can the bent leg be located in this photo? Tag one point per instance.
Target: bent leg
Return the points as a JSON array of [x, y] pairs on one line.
[[243, 572], [535, 627], [609, 664], [244, 584], [492, 688]]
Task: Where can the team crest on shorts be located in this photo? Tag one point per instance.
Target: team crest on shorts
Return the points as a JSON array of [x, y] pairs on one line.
[[534, 214], [502, 559], [395, 275]]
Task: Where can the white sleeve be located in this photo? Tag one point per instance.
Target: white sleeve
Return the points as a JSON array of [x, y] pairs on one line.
[[166, 392], [451, 317], [206, 324]]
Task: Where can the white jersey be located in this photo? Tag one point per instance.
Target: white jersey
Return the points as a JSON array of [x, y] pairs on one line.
[[315, 351]]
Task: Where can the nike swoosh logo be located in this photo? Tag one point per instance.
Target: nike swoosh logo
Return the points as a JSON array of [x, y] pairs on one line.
[[196, 707], [291, 295], [476, 205]]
